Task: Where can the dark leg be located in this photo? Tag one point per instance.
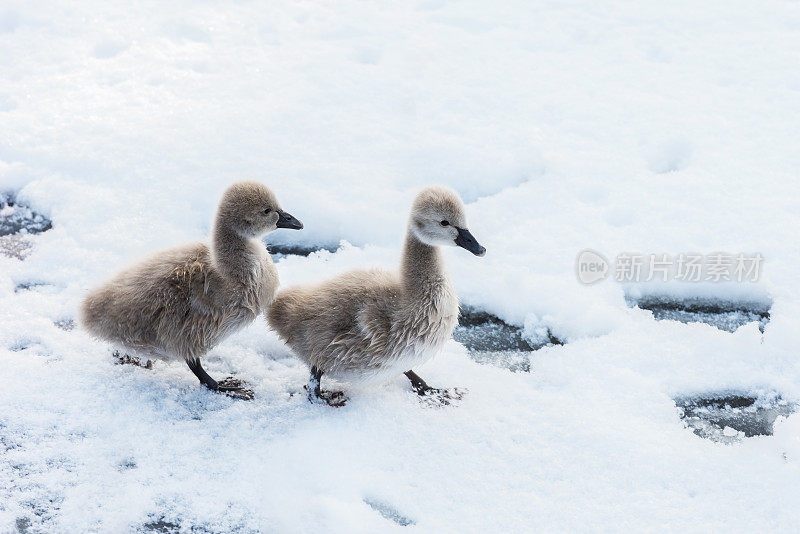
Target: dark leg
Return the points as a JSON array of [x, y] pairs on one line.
[[315, 385], [435, 395], [419, 385], [315, 393], [229, 386], [200, 373]]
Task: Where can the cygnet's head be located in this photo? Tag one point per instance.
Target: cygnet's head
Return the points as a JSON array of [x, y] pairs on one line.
[[437, 218], [251, 210]]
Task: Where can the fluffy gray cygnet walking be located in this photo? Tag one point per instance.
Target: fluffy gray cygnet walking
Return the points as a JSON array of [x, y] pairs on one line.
[[366, 325], [183, 301]]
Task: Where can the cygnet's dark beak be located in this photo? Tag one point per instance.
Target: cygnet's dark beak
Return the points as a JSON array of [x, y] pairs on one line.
[[467, 241], [286, 220]]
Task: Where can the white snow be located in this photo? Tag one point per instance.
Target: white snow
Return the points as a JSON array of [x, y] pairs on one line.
[[656, 127]]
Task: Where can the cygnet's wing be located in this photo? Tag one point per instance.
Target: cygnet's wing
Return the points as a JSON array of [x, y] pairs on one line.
[[373, 302], [144, 302]]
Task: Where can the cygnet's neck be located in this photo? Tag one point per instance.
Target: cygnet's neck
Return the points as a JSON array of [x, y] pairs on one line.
[[233, 254], [422, 265]]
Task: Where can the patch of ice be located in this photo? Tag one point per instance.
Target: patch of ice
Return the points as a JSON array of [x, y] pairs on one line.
[[279, 251], [723, 314], [490, 340], [17, 218], [728, 418]]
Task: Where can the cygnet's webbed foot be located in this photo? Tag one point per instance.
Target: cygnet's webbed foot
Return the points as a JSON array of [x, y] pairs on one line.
[[230, 386], [336, 399], [434, 396], [442, 397], [126, 359], [234, 388]]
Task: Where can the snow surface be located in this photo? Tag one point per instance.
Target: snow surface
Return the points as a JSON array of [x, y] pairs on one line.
[[621, 127]]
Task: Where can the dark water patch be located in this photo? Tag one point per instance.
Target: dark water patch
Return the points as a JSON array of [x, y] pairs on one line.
[[727, 418], [387, 511], [727, 315], [16, 218], [281, 251], [490, 340], [161, 525]]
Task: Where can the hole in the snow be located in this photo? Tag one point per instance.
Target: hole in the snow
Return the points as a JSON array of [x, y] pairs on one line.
[[65, 324], [281, 251], [727, 418], [389, 512], [490, 340], [161, 524], [45, 287], [723, 314], [126, 463], [20, 345], [18, 218], [37, 347]]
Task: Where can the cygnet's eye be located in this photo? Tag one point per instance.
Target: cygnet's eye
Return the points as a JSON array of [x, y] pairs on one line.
[[267, 211], [445, 223]]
